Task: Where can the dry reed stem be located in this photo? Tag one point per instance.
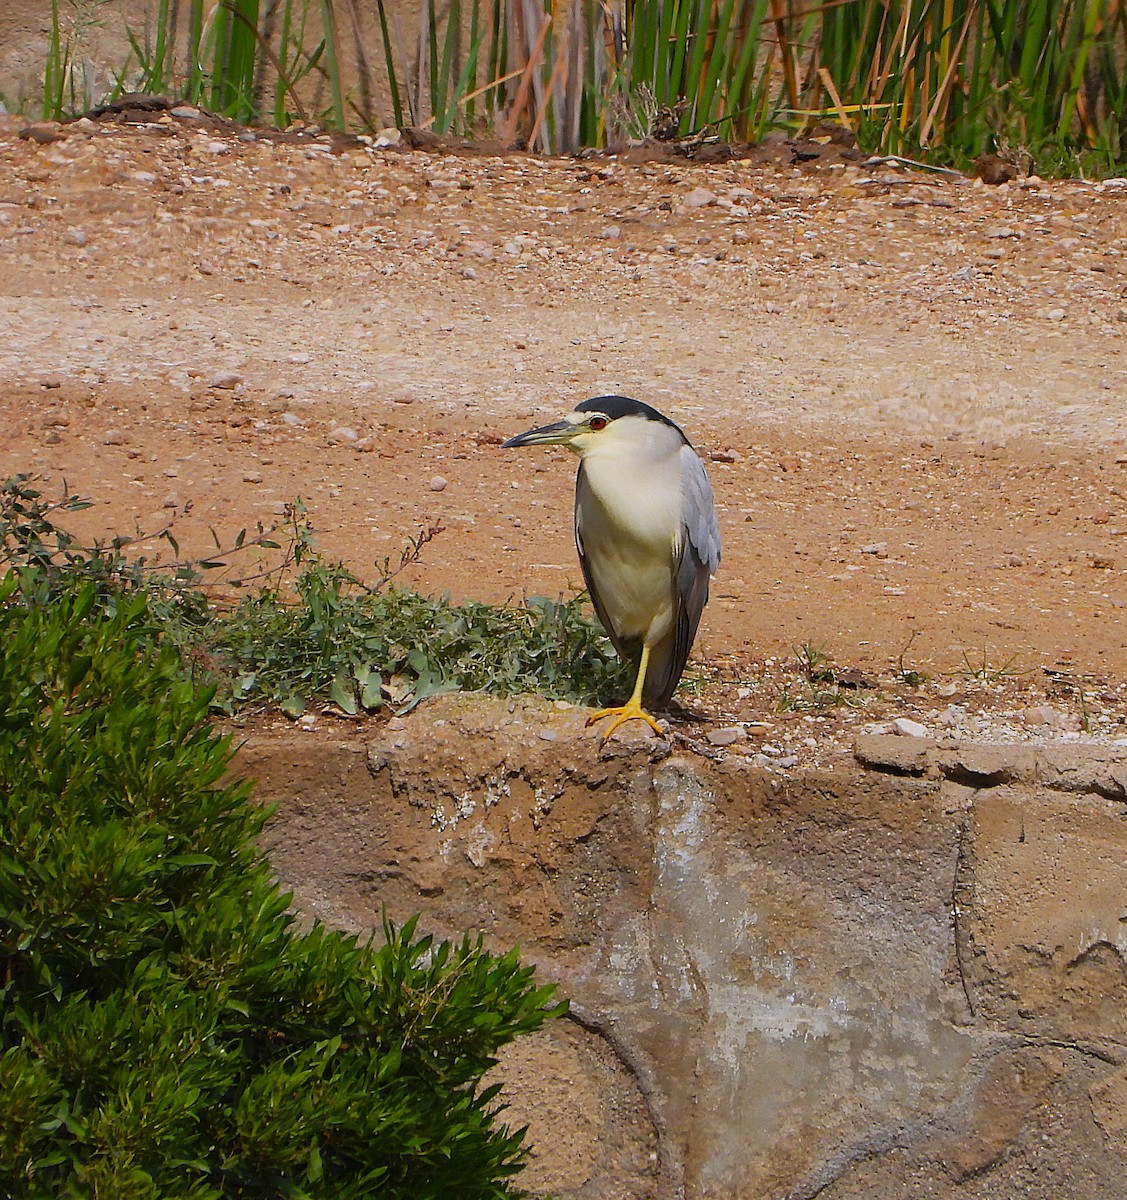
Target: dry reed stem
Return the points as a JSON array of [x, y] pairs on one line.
[[520, 102], [828, 83], [944, 92]]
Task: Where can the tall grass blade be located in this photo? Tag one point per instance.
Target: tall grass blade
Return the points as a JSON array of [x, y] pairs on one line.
[[363, 66], [389, 59], [193, 50], [54, 70], [332, 63], [441, 77], [715, 66]]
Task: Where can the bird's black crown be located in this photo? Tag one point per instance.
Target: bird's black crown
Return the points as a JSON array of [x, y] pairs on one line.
[[614, 407]]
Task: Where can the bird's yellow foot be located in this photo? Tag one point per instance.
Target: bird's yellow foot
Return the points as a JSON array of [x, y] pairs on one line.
[[630, 711]]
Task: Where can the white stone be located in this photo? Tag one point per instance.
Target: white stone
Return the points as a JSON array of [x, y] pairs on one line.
[[906, 727]]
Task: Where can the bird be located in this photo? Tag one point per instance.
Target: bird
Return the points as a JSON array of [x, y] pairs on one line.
[[647, 535]]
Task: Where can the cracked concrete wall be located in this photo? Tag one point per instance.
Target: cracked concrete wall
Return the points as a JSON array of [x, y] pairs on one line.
[[903, 978]]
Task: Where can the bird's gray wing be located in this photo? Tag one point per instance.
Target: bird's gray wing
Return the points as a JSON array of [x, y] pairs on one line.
[[629, 649], [699, 559]]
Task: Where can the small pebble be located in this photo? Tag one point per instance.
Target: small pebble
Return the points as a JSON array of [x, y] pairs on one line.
[[342, 433], [75, 237], [906, 727], [727, 736], [42, 132], [1041, 714], [226, 380], [252, 477], [438, 484], [699, 198], [115, 437]]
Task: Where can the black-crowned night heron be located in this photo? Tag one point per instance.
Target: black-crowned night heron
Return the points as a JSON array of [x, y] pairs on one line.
[[647, 535]]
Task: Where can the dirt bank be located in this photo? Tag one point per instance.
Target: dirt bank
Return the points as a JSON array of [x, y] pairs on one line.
[[909, 388]]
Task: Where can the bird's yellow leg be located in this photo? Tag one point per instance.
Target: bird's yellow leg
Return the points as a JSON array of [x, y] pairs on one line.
[[632, 709]]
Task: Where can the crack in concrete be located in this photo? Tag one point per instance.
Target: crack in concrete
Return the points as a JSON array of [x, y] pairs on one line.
[[671, 1164]]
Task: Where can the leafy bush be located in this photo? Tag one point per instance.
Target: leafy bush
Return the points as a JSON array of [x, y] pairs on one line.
[[364, 647], [328, 635], [164, 1029]]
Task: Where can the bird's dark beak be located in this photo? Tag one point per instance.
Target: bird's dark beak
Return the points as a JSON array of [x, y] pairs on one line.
[[558, 434]]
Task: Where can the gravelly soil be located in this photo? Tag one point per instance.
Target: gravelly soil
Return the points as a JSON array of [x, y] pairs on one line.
[[910, 389]]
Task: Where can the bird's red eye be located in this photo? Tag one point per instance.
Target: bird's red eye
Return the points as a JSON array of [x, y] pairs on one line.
[[598, 422]]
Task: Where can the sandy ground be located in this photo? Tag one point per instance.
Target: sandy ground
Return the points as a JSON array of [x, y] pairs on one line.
[[909, 389]]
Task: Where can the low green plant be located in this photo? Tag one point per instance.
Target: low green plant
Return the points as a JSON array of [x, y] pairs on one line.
[[365, 647], [818, 686], [808, 697], [306, 627], [814, 663], [165, 1030], [984, 671], [911, 676]]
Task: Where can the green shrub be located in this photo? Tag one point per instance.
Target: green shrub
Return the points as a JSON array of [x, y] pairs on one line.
[[164, 1029], [363, 647], [326, 634]]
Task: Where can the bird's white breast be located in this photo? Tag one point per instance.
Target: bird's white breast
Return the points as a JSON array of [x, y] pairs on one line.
[[630, 524]]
